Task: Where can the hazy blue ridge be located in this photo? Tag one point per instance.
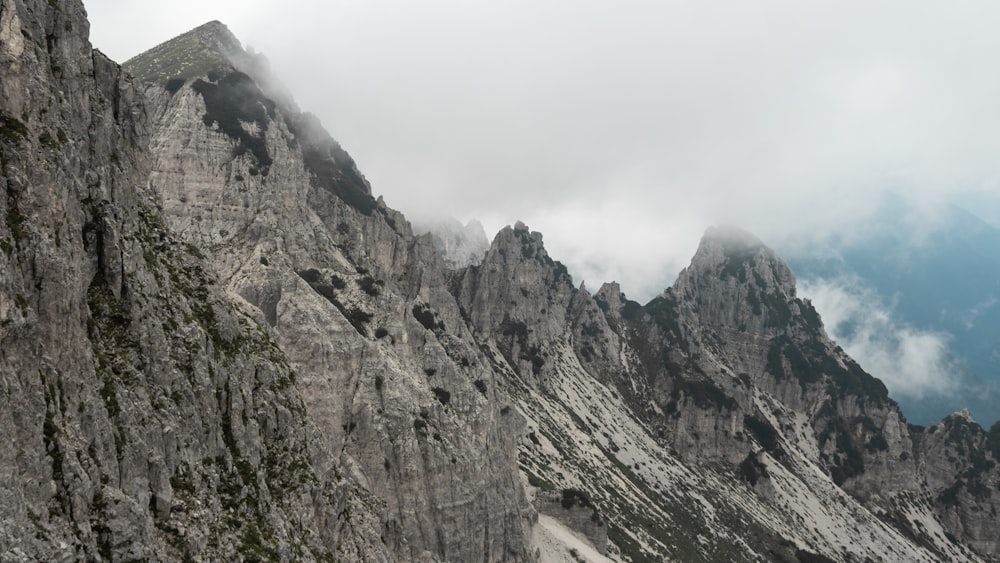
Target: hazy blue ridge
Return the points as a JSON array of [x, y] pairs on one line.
[[945, 282]]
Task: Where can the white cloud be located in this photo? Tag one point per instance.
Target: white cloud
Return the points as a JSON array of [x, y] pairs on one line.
[[911, 362], [969, 319], [785, 118], [598, 246]]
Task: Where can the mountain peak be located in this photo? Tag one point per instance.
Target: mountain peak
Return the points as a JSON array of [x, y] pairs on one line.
[[730, 241], [732, 252], [210, 46], [736, 281]]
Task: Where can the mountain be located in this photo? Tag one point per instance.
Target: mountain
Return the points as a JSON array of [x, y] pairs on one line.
[[217, 344], [940, 278]]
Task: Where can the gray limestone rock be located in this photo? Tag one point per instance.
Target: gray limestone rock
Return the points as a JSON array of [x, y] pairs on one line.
[[146, 415], [395, 384]]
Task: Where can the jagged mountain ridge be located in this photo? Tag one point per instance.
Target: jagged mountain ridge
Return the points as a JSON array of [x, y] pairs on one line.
[[713, 422], [792, 412]]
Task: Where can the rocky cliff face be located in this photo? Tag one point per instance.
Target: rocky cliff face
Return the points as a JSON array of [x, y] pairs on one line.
[[400, 393], [217, 344], [146, 414]]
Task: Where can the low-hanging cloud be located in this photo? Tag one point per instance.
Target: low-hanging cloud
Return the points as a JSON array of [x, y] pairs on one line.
[[787, 119], [911, 362]]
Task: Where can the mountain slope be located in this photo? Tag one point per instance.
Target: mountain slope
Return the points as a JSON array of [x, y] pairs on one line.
[[396, 385], [714, 423]]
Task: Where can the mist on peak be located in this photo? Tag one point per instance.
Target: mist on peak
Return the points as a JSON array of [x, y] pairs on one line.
[[460, 245]]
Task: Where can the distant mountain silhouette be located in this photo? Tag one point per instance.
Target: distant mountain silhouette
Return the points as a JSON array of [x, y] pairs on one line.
[[945, 279]]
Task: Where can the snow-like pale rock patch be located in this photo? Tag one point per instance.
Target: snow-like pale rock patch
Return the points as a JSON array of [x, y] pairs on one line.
[[553, 542]]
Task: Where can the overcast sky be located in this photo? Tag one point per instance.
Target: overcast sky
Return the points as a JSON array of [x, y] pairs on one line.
[[622, 130]]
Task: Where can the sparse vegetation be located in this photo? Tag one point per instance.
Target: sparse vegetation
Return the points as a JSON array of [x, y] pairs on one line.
[[235, 100], [358, 318], [47, 140], [632, 310], [371, 286], [575, 497], [116, 352], [183, 57], [427, 317], [703, 392], [518, 329], [480, 386], [538, 482], [751, 470], [534, 355], [11, 129], [762, 430], [808, 557], [993, 441], [420, 427], [331, 168], [442, 395], [311, 276], [174, 85], [15, 223], [848, 460]]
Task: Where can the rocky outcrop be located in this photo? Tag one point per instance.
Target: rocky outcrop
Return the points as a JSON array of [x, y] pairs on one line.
[[574, 510], [957, 460]]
